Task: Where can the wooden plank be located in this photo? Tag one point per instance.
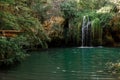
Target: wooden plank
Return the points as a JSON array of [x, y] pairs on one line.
[[10, 33], [14, 31]]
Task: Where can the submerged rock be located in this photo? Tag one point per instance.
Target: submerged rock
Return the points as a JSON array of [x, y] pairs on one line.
[[113, 68]]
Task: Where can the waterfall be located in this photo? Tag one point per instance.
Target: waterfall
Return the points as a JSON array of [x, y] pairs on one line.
[[91, 32], [86, 32]]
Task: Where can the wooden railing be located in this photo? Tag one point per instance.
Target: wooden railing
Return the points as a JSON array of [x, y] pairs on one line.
[[10, 33]]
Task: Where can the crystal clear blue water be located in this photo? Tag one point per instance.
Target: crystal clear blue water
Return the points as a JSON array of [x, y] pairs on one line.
[[65, 64]]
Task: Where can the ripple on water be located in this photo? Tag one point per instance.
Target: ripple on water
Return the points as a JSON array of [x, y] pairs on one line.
[[65, 64]]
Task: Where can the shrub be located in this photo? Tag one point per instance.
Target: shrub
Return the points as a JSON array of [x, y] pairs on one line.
[[10, 51], [69, 9]]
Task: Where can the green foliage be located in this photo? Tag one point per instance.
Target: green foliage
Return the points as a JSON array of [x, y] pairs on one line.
[[91, 4], [95, 26], [105, 18], [96, 32], [33, 31], [10, 51], [72, 14], [69, 8], [32, 27], [8, 21], [40, 8], [20, 16], [74, 32], [7, 1]]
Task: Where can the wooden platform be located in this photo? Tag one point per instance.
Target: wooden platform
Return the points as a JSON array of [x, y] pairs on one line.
[[10, 33]]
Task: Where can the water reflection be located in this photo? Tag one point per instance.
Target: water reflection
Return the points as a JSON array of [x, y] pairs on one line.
[[65, 64]]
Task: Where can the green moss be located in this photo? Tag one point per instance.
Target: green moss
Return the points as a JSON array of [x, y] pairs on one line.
[[96, 32]]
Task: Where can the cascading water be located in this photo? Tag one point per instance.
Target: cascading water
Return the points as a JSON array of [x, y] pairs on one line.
[[91, 32], [86, 32]]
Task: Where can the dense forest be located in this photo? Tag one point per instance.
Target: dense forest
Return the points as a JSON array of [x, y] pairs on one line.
[[56, 23]]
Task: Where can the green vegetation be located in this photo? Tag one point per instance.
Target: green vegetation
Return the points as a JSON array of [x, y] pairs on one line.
[[72, 22], [10, 51], [19, 15], [96, 32]]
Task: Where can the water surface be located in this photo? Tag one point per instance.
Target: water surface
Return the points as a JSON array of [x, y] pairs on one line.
[[65, 64]]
